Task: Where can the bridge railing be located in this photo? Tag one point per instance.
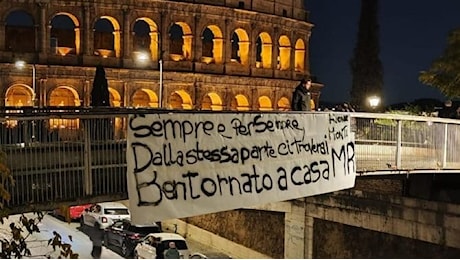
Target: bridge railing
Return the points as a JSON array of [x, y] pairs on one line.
[[67, 155], [392, 143]]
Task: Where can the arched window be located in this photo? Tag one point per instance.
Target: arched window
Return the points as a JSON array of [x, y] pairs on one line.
[[180, 42], [239, 103], [235, 48], [264, 51], [180, 99], [240, 46], [141, 37], [211, 101], [284, 58], [107, 37], [20, 32], [65, 36], [208, 44], [299, 55], [265, 104], [144, 98]]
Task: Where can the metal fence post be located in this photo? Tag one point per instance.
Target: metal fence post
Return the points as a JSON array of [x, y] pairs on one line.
[[87, 178], [444, 147], [399, 145]]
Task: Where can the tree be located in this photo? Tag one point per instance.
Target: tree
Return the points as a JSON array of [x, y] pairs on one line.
[[444, 73], [100, 129], [366, 67], [100, 92]]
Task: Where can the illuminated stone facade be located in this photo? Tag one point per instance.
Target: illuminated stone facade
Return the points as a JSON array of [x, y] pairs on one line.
[[214, 54]]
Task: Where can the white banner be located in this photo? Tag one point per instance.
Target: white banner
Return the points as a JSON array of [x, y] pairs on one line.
[[188, 164]]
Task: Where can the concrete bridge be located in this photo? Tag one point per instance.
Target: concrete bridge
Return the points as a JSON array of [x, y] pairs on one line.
[[404, 202]]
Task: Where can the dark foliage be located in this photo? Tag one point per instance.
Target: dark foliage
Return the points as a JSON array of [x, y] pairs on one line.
[[100, 92], [444, 73]]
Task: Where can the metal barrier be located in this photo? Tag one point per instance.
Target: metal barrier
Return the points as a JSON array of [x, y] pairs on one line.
[[68, 155], [391, 144]]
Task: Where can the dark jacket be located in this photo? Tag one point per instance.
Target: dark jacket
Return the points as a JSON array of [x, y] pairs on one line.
[[447, 112], [301, 99]]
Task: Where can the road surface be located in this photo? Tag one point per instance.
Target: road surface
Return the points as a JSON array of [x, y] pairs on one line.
[[81, 244]]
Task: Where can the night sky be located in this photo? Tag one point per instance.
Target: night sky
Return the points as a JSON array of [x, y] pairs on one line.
[[412, 35]]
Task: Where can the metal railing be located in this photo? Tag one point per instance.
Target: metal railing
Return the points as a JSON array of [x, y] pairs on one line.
[[66, 155]]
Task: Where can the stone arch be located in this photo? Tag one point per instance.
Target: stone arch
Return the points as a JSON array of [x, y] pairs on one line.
[[212, 101], [284, 104], [144, 97], [180, 41], [64, 96], [107, 37], [264, 51], [19, 95], [180, 99], [240, 46], [265, 103], [59, 97], [284, 56], [212, 45], [115, 97], [240, 103], [146, 37], [117, 123], [19, 31], [299, 56], [65, 35]]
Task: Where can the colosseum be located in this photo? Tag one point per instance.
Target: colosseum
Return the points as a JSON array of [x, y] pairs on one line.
[[234, 55]]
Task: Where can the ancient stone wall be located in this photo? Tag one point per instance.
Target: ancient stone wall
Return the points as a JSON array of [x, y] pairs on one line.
[[191, 76]]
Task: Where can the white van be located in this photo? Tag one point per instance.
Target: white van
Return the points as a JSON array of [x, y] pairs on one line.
[[146, 248]]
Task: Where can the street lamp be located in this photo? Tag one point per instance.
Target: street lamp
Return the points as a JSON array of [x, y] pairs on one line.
[[143, 57], [20, 64], [374, 102]]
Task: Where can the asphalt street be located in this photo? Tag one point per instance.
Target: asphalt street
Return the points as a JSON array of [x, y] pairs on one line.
[[71, 233]]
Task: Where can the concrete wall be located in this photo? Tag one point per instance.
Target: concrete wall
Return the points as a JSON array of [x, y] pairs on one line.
[[189, 231], [373, 220], [416, 223]]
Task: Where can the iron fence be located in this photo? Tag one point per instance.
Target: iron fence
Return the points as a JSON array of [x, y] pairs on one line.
[[68, 155]]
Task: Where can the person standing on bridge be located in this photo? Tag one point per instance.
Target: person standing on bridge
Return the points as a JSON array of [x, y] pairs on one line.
[[447, 111], [301, 98]]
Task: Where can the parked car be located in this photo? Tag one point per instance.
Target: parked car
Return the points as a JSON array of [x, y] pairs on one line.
[[147, 247], [125, 235], [74, 212], [102, 215]]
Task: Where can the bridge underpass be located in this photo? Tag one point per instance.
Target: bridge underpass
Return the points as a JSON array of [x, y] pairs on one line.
[[64, 156]]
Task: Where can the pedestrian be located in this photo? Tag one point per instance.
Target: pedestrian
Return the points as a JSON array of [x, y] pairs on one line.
[[301, 97], [96, 236], [447, 111], [160, 249], [172, 252]]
